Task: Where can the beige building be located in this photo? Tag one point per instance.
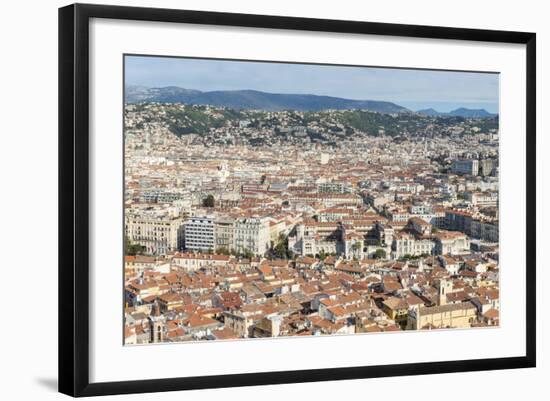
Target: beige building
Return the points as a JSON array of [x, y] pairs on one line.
[[223, 233], [460, 315], [159, 234], [482, 199], [276, 228], [238, 322], [269, 326]]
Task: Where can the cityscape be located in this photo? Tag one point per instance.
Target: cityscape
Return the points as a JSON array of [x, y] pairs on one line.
[[252, 212]]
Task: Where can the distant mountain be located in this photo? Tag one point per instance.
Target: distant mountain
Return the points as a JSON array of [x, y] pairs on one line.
[[251, 99], [429, 112], [471, 113], [460, 112]]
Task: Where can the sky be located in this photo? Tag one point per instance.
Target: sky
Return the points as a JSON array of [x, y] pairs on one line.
[[415, 89]]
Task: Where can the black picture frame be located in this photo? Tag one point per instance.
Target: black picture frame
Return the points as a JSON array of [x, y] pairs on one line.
[[74, 194]]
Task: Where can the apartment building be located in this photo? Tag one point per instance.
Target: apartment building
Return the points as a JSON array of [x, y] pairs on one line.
[[311, 238], [405, 243], [158, 233], [485, 230], [334, 188], [465, 166], [451, 243], [482, 199], [199, 233], [251, 234], [223, 232]]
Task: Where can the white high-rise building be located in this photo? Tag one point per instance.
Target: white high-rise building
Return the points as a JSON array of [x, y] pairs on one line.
[[199, 233]]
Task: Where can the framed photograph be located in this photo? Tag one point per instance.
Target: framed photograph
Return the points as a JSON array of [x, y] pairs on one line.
[[250, 199]]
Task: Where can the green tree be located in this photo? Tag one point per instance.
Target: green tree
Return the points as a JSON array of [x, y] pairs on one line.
[[223, 251], [380, 254], [247, 254], [209, 201], [132, 249], [280, 249]]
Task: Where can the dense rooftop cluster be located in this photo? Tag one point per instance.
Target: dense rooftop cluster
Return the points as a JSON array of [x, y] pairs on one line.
[[223, 126], [247, 223]]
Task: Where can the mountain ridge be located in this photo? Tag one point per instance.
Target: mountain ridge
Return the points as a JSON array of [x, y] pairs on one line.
[[254, 99], [459, 112]]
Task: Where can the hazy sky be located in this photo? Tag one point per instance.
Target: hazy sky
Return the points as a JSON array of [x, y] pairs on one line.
[[414, 89]]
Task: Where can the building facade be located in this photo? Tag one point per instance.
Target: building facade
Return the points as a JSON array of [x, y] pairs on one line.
[[485, 230], [199, 233], [465, 166], [460, 315], [223, 233], [407, 244], [251, 234], [482, 199], [159, 234]]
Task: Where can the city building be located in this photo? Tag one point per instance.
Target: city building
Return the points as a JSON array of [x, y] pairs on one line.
[[465, 166], [199, 233], [251, 235], [460, 315], [158, 233], [275, 224], [224, 228]]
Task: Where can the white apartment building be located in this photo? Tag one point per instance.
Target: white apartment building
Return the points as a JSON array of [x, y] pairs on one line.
[[408, 244], [334, 187], [314, 238], [482, 199], [251, 234], [451, 243], [199, 233]]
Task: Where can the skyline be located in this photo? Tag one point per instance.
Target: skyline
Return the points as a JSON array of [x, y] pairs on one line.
[[414, 89]]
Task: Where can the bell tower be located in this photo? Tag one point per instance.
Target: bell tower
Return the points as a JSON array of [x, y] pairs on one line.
[[445, 286], [156, 324]]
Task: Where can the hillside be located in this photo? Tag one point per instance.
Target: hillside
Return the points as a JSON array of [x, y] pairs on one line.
[[255, 100]]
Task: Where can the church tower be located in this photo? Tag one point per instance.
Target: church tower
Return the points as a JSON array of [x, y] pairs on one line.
[[445, 286], [156, 324]]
